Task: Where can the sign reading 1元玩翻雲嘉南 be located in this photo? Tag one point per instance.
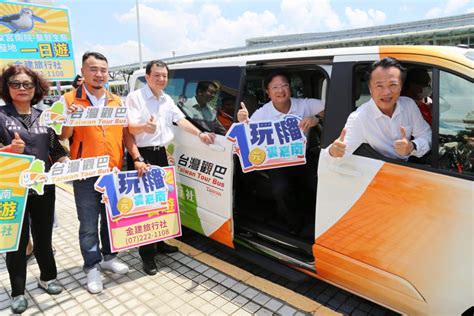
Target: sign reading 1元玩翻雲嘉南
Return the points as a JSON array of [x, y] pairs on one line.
[[140, 210]]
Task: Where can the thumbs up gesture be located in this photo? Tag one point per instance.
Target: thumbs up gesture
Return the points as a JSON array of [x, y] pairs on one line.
[[243, 114], [150, 125], [403, 146], [17, 145], [338, 147]]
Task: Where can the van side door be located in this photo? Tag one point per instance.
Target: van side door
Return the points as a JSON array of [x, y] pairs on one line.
[[205, 172]]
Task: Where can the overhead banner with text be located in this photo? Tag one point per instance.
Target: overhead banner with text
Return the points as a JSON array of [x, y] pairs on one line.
[[37, 37]]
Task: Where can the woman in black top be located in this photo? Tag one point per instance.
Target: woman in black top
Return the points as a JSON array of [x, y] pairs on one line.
[[21, 132]]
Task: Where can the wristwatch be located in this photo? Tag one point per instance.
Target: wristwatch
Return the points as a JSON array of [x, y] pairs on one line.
[[414, 149], [139, 159]]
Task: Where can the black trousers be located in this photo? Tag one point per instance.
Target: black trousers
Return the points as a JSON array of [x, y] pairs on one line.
[[294, 190], [40, 208], [155, 157]]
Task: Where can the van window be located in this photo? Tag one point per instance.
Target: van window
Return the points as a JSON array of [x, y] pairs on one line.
[[207, 96], [360, 91], [307, 83], [456, 123], [139, 83]]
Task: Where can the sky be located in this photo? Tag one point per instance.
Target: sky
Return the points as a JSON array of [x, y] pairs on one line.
[[184, 27]]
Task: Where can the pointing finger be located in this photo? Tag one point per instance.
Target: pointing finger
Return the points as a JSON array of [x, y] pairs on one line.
[[242, 105]]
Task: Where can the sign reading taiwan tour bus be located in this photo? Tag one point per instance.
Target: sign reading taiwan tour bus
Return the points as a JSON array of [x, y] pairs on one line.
[[140, 210], [57, 116], [268, 144], [12, 199], [37, 37], [35, 178]]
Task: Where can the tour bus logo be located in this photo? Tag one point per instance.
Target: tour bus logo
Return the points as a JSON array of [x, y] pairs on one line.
[[34, 177], [54, 117]]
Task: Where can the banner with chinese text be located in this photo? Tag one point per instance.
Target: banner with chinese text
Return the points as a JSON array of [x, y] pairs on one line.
[[268, 144], [140, 210], [35, 177], [13, 198], [57, 116], [37, 37]]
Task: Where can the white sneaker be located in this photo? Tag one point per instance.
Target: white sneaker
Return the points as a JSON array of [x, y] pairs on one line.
[[115, 266], [94, 282]]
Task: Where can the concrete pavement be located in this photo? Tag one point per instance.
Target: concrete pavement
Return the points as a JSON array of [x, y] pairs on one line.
[[189, 282]]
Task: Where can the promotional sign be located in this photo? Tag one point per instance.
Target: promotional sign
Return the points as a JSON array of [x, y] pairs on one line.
[[35, 178], [37, 37], [140, 210], [268, 144], [204, 175], [12, 199], [57, 116]]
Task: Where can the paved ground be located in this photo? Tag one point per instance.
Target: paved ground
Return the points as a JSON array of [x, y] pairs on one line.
[[187, 283], [319, 291]]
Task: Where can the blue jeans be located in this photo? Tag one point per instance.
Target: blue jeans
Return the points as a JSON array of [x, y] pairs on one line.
[[89, 208]]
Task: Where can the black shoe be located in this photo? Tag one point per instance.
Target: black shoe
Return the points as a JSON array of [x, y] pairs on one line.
[[149, 266], [162, 247]]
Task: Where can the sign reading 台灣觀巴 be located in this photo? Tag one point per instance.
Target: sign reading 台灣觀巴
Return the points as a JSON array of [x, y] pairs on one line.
[[268, 144], [12, 199], [57, 116], [35, 178], [37, 37], [140, 210]]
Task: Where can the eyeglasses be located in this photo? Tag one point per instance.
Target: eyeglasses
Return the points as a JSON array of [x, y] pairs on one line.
[[282, 86], [17, 84]]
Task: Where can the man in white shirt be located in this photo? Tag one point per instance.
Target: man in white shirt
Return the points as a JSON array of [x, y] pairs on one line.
[[151, 114], [390, 124], [290, 185], [200, 108]]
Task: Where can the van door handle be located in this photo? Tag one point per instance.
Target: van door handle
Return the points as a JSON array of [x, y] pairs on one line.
[[216, 147], [345, 171]]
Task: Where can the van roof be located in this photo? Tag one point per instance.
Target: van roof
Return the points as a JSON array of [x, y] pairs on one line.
[[461, 56]]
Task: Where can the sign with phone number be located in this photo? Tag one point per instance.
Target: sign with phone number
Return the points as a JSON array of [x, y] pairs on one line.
[[140, 210]]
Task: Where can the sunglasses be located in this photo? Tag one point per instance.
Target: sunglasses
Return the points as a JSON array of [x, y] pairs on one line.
[[17, 84]]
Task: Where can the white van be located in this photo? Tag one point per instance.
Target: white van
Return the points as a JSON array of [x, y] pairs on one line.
[[398, 233]]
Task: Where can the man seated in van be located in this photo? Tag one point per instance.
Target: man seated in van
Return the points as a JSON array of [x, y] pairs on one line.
[[202, 107], [389, 123], [289, 183], [225, 113], [417, 86]]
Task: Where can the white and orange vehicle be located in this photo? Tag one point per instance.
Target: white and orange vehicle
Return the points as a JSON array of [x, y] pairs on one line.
[[398, 233]]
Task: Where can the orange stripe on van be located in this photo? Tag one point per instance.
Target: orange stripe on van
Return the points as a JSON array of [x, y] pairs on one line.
[[412, 224], [429, 55], [224, 234]]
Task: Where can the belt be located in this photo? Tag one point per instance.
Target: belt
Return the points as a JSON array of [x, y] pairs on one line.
[[152, 148]]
